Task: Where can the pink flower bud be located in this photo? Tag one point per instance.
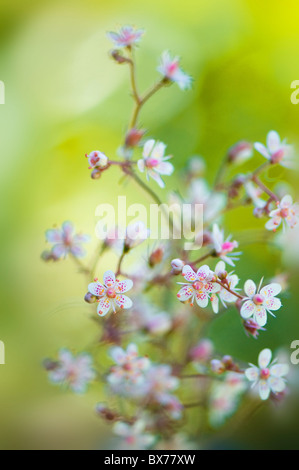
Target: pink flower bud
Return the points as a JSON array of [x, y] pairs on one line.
[[177, 265], [217, 366], [240, 152], [133, 137], [202, 351], [156, 257]]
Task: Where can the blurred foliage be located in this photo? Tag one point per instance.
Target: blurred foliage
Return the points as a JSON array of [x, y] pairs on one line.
[[65, 97]]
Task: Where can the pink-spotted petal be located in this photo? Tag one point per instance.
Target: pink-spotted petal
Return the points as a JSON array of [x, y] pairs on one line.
[[279, 370], [95, 288], [252, 374], [123, 286], [185, 293], [272, 304], [109, 278], [271, 290], [104, 306], [286, 202], [264, 358], [204, 273], [122, 301], [202, 299], [250, 288], [274, 223], [264, 389], [260, 315], [212, 287], [189, 274], [247, 309]]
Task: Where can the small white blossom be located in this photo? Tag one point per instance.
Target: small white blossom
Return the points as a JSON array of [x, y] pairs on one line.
[[74, 371], [198, 286], [170, 68], [97, 159], [260, 301], [224, 247], [66, 241], [154, 163], [276, 151], [110, 293], [136, 233], [225, 296], [133, 435], [268, 375], [127, 36], [286, 213]]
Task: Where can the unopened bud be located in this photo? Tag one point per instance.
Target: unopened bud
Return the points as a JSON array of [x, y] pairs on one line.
[[89, 298], [104, 412], [240, 152], [156, 257], [96, 173], [118, 57], [222, 275], [177, 265], [217, 366], [133, 137], [50, 365], [202, 351]]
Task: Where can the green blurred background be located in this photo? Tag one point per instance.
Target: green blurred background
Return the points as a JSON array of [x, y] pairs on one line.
[[65, 97]]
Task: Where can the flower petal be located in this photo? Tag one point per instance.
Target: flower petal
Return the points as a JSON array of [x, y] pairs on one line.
[[260, 315], [185, 293], [276, 384], [123, 286], [271, 290], [165, 168], [272, 304], [262, 150], [148, 147], [103, 307], [264, 358], [54, 236], [264, 389], [247, 309], [278, 370], [189, 274], [250, 288], [109, 278], [252, 374], [273, 141], [122, 301], [95, 288], [202, 299], [204, 273]]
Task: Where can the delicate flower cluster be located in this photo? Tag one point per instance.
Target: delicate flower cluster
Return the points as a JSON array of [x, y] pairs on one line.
[[65, 241], [260, 301]]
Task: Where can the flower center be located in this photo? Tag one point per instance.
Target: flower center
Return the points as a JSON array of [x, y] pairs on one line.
[[277, 156], [284, 213], [227, 247], [258, 299], [197, 285], [94, 159], [151, 162], [111, 293], [265, 373]]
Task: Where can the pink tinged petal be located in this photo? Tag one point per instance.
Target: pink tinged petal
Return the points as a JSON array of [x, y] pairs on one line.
[[148, 147], [204, 272], [165, 168], [122, 429], [247, 309], [103, 307], [123, 286], [264, 358], [118, 355], [189, 274], [276, 384], [252, 374], [59, 250], [96, 288], [158, 150], [78, 251], [260, 315], [156, 177], [54, 236], [141, 165], [271, 290], [279, 370], [264, 389], [273, 141], [68, 229], [212, 287], [202, 299], [81, 238], [109, 278], [286, 202], [274, 223], [220, 267], [122, 301], [215, 303], [66, 357], [262, 150], [250, 288], [185, 293], [272, 304], [132, 350]]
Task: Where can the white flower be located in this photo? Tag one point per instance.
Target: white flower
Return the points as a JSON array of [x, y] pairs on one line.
[[224, 248], [213, 202], [170, 68], [136, 233], [259, 302], [111, 293], [127, 36], [154, 163], [267, 375], [276, 151], [231, 281], [97, 159], [160, 384], [286, 213], [66, 241], [198, 286], [254, 193], [134, 437], [74, 371], [127, 377]]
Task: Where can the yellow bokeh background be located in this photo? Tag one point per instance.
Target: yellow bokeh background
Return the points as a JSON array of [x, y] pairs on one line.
[[65, 97]]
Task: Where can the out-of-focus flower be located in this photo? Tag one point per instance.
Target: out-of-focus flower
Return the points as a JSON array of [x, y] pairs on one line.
[[160, 384], [133, 435], [231, 281], [260, 301], [176, 442], [170, 69], [202, 351], [156, 256], [276, 151], [66, 241], [286, 213], [213, 202], [127, 36], [115, 239], [154, 163], [224, 248], [134, 137], [195, 167], [254, 193], [110, 293], [127, 377], [240, 152], [268, 375], [136, 233], [198, 286], [76, 372], [144, 316], [97, 159]]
